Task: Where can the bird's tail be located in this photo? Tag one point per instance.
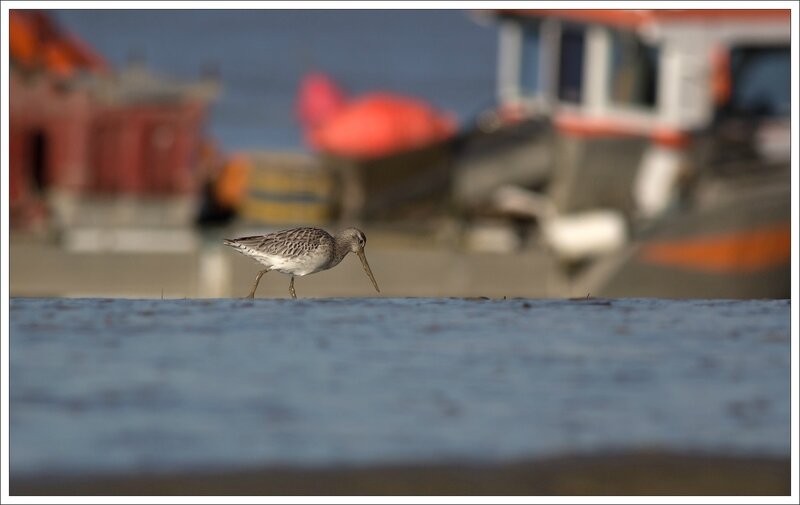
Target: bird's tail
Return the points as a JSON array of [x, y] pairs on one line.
[[230, 242]]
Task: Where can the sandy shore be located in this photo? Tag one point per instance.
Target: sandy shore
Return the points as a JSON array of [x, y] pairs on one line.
[[622, 474], [42, 269]]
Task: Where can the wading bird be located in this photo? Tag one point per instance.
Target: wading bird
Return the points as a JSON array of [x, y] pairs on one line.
[[302, 251]]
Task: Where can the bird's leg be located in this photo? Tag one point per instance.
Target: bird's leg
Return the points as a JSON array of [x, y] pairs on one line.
[[291, 288], [258, 278]]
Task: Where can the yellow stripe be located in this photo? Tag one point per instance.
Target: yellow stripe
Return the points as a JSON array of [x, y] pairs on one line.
[[277, 182], [273, 212]]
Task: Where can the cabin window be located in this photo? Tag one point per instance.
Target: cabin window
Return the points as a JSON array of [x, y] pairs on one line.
[[761, 81], [634, 71], [570, 68], [530, 68]]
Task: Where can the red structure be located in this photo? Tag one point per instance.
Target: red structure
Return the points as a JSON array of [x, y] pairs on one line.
[[144, 149], [369, 126], [75, 127]]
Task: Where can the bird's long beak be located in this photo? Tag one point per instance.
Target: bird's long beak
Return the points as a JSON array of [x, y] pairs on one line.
[[364, 263]]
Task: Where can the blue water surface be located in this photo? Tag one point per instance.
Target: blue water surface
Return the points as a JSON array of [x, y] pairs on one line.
[[115, 385]]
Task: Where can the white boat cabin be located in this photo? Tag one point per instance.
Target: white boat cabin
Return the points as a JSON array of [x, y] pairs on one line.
[[666, 71]]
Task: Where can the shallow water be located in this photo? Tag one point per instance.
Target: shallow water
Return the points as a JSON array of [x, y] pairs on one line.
[[114, 385]]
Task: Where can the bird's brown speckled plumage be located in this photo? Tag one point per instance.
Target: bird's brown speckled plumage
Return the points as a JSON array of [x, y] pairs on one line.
[[286, 242]]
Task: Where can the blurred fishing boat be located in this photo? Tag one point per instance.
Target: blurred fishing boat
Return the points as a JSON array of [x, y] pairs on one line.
[[656, 148], [648, 152]]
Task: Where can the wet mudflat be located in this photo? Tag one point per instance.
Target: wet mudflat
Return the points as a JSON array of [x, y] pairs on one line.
[[116, 387]]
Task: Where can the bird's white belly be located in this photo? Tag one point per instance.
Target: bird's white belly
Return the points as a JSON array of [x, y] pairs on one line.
[[297, 265]]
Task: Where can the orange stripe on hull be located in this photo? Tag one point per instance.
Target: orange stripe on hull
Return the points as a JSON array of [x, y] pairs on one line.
[[579, 126], [740, 252]]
